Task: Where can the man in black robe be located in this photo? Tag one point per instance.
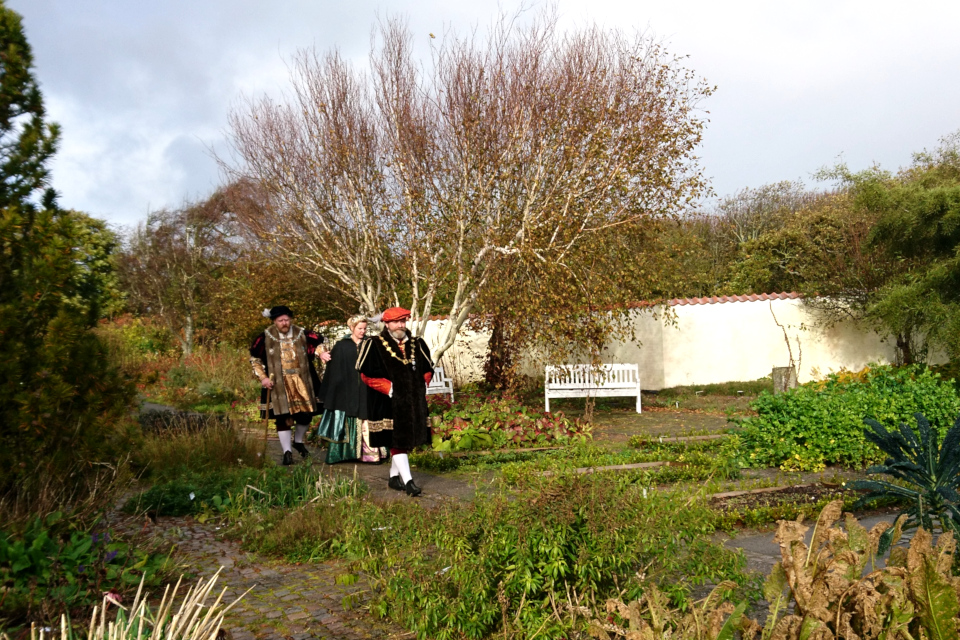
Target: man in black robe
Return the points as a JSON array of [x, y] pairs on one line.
[[397, 367], [282, 359]]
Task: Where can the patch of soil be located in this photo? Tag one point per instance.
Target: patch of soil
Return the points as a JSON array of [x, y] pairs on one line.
[[800, 494], [616, 427]]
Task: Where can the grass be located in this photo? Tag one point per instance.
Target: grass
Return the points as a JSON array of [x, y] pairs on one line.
[[585, 454], [492, 565], [184, 446], [746, 388], [238, 489]]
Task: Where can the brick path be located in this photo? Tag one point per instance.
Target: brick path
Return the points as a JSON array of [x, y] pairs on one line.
[[296, 602], [288, 601]]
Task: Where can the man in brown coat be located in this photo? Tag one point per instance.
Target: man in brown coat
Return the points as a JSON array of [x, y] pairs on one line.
[[282, 360]]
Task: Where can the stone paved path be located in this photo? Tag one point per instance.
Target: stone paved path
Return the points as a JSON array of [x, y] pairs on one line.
[[287, 601], [762, 552], [297, 602]]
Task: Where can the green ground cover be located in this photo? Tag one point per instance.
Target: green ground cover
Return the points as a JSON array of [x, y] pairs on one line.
[[54, 566], [480, 421], [693, 463], [821, 422], [460, 571]]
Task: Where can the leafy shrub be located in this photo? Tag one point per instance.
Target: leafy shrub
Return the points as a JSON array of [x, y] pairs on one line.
[[477, 421], [472, 569], [928, 473], [60, 395], [500, 561], [134, 342], [211, 378], [949, 371], [820, 423], [183, 496], [51, 567]]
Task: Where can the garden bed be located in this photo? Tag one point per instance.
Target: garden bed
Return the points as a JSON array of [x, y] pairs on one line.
[[776, 496]]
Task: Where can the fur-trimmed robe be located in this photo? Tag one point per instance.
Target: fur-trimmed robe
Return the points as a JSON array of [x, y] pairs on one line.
[[400, 422], [265, 359]]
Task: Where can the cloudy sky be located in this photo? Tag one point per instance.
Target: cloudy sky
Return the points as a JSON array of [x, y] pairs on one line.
[[143, 89]]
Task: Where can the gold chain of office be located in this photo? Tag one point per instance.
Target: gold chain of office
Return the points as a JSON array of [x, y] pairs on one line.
[[386, 346]]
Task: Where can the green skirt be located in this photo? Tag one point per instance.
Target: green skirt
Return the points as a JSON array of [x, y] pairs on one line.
[[349, 439]]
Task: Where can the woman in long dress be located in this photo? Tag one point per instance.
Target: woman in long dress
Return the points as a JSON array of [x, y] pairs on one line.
[[345, 402]]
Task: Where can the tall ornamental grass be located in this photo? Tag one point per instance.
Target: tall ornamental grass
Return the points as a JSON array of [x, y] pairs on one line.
[[189, 617]]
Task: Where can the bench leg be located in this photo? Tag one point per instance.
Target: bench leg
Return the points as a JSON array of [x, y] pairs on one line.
[[639, 410], [546, 402]]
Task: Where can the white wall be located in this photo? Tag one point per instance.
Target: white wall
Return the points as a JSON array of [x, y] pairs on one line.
[[698, 342], [464, 361], [729, 341]]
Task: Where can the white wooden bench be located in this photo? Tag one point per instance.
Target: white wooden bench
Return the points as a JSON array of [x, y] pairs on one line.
[[439, 383], [583, 380]]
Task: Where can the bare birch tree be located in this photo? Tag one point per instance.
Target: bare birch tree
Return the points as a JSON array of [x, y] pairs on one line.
[[411, 184]]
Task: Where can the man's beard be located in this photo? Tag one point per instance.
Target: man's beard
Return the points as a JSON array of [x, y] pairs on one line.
[[398, 335]]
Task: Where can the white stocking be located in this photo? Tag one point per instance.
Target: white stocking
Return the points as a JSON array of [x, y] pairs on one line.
[[301, 431], [284, 440], [394, 471], [403, 466]]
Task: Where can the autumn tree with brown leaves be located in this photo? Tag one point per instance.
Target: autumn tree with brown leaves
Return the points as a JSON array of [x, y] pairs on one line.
[[513, 155], [171, 263]]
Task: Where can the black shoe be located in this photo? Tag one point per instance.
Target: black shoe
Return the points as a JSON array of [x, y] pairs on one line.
[[301, 449], [395, 483], [287, 458], [412, 490]]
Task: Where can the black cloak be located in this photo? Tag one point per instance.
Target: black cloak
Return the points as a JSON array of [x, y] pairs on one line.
[[381, 358], [342, 388]]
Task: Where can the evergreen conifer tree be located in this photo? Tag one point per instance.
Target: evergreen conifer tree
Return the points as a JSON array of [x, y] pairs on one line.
[[57, 389]]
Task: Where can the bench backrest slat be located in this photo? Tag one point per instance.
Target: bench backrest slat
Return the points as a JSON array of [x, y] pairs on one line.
[[582, 375], [583, 380], [438, 380]]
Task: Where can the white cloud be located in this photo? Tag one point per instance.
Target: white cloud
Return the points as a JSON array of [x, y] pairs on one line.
[[143, 89]]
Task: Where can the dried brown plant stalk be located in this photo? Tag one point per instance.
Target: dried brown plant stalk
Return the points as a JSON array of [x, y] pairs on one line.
[[194, 619], [828, 589]]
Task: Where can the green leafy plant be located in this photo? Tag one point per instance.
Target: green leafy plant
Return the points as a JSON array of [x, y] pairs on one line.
[[821, 423], [929, 474], [51, 568], [478, 421], [495, 564]]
